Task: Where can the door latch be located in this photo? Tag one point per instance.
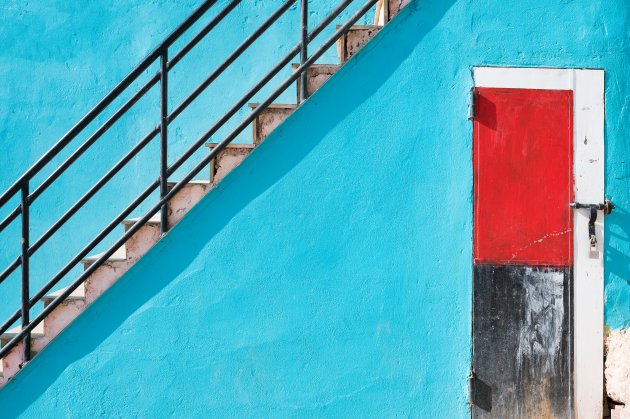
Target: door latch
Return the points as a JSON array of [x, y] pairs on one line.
[[607, 207]]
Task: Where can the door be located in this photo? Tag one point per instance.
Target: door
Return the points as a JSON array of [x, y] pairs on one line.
[[523, 252], [538, 282]]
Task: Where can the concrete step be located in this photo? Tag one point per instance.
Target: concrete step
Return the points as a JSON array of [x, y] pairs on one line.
[[106, 274], [76, 295], [230, 157], [12, 361], [178, 206], [142, 240], [266, 122], [316, 76], [104, 277], [64, 313], [119, 256], [185, 199], [37, 333], [269, 119], [353, 40]]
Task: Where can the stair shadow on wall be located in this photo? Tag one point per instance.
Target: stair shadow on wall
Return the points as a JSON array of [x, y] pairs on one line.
[[270, 162]]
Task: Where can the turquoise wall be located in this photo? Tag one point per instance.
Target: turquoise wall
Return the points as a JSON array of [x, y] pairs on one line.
[[58, 58], [330, 274]]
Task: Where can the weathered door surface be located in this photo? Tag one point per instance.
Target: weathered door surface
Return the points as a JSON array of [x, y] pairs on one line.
[[523, 254]]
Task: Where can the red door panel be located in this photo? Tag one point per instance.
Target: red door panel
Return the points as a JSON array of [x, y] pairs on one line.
[[522, 157]]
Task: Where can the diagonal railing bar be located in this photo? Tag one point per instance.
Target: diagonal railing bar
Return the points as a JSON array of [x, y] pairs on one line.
[[82, 201], [9, 218], [262, 106], [180, 108], [134, 99], [202, 34], [122, 110], [158, 52], [64, 218], [12, 319], [101, 183], [93, 138], [217, 19], [71, 134], [9, 270], [165, 196], [83, 253], [97, 186], [249, 95], [27, 328], [228, 61], [266, 79], [105, 102]]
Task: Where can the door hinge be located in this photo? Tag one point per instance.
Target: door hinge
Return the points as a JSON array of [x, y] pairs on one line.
[[472, 106], [479, 393], [607, 207], [471, 379]]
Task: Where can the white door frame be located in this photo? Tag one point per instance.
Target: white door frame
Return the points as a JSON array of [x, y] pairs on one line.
[[588, 172]]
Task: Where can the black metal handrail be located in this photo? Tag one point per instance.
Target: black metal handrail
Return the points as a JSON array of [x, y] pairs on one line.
[[103, 104], [160, 53]]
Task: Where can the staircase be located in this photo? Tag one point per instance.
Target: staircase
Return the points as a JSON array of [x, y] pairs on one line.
[[103, 270]]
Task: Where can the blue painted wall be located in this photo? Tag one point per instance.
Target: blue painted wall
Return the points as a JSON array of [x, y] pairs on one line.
[[58, 58], [330, 274]]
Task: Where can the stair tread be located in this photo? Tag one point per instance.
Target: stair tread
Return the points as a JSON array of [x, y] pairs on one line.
[[192, 182], [212, 145], [362, 27], [119, 255], [254, 105], [153, 220], [78, 294], [296, 65], [37, 332]]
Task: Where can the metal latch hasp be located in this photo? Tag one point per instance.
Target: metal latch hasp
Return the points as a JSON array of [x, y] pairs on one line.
[[607, 207]]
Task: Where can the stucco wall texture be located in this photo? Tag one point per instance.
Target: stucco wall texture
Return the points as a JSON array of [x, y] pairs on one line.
[[330, 274], [59, 58]]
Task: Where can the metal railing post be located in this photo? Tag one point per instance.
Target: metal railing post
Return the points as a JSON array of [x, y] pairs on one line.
[[26, 355], [164, 138], [303, 49]]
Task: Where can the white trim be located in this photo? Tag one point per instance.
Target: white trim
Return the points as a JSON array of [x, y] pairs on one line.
[[588, 167], [588, 291]]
